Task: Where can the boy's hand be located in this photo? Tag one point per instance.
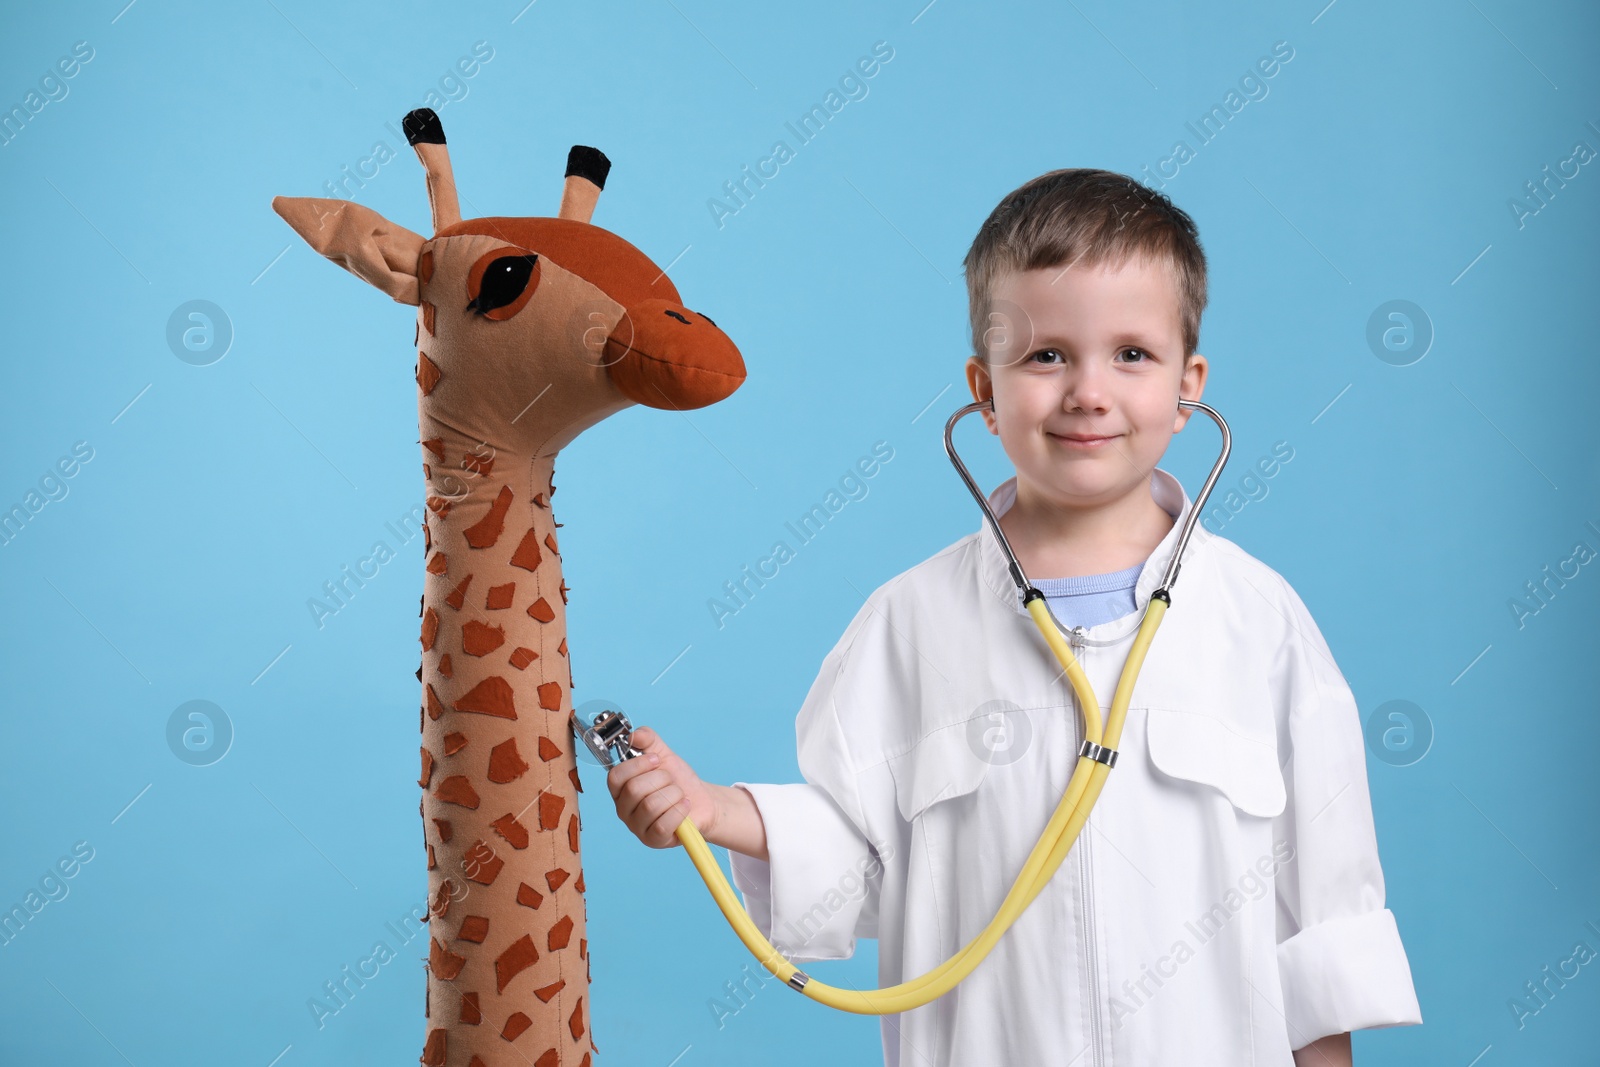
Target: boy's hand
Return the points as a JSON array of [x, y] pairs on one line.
[[655, 791]]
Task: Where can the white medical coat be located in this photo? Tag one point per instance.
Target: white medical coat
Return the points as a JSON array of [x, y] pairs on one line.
[[1223, 905]]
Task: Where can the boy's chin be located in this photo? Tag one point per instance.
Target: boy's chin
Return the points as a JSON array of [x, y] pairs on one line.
[[1086, 483]]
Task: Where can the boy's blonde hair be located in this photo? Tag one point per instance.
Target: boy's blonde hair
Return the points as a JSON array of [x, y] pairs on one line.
[[1088, 217]]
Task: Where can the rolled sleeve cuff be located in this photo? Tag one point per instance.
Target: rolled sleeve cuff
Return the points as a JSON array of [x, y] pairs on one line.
[[808, 895], [1347, 973]]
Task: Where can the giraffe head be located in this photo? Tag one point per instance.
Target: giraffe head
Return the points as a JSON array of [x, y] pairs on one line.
[[530, 329]]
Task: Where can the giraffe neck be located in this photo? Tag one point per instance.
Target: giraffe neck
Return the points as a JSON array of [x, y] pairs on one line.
[[508, 956]]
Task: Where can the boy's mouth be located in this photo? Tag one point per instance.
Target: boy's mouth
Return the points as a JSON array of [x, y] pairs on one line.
[[1085, 440]]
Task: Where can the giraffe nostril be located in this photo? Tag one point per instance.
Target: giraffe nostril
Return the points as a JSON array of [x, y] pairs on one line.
[[679, 317]]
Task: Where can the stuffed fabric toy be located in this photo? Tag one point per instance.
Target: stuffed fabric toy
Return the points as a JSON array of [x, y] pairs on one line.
[[529, 331]]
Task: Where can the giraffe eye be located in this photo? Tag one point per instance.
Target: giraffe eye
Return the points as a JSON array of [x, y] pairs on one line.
[[502, 284]]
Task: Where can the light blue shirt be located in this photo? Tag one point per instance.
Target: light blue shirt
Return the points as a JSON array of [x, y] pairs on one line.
[[1093, 598]]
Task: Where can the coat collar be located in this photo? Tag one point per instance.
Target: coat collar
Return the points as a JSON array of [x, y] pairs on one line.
[[1167, 492]]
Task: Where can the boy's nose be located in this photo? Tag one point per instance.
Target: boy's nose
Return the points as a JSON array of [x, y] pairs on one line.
[[1084, 389]]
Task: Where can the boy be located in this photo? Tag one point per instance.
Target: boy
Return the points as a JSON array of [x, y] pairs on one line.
[[1224, 904]]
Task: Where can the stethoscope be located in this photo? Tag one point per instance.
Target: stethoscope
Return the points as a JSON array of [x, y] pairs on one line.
[[607, 736]]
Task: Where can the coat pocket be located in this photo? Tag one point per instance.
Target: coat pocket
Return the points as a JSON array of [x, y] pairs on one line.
[[945, 763], [1197, 747]]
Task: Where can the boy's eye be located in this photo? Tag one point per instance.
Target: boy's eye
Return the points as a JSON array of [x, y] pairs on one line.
[[1051, 355]]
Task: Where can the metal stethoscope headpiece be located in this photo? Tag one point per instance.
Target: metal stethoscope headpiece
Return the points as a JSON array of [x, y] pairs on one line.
[[608, 736], [1017, 575]]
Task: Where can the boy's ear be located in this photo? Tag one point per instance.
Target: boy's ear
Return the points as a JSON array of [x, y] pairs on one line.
[[982, 386], [1191, 386], [360, 240]]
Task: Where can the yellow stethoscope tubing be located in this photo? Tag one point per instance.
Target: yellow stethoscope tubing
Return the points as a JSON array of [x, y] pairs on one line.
[[1082, 791]]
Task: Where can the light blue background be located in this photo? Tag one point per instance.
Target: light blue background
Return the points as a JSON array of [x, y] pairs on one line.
[[220, 498]]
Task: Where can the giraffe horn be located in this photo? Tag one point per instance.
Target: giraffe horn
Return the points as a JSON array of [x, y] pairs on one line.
[[426, 135], [586, 176]]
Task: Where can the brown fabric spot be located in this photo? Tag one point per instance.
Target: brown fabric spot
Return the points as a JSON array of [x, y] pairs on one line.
[[527, 555], [549, 1058], [427, 537], [562, 647], [538, 500], [443, 826], [550, 990], [548, 749], [457, 790], [575, 1022], [458, 595], [513, 831], [521, 657], [492, 696], [555, 878], [432, 862], [454, 742], [550, 805], [550, 696], [505, 762], [486, 531], [435, 706], [471, 1014], [540, 609], [576, 784], [480, 639], [427, 316], [477, 464], [583, 942], [572, 834], [516, 1023], [442, 899], [444, 964], [427, 1001], [578, 885], [430, 629], [499, 597], [563, 590], [474, 928], [481, 863], [427, 471], [427, 768], [436, 446], [560, 934], [528, 896], [433, 1051], [513, 961], [444, 666], [427, 373], [425, 269], [438, 564], [440, 506], [550, 542]]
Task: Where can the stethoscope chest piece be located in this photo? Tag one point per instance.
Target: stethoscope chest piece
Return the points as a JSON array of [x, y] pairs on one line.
[[607, 737]]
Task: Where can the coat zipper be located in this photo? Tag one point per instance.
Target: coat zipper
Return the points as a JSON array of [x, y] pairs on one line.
[[1091, 955]]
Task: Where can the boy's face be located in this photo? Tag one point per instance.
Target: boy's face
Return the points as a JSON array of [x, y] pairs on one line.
[[1085, 352]]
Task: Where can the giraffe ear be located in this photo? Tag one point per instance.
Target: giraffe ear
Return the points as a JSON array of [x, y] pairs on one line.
[[360, 240]]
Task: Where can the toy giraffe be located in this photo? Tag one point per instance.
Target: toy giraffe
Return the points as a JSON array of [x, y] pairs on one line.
[[529, 331]]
